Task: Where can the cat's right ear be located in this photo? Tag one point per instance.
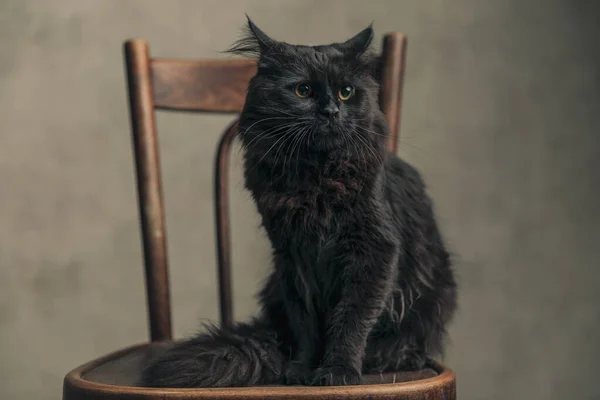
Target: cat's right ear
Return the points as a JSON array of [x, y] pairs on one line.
[[264, 41], [255, 43]]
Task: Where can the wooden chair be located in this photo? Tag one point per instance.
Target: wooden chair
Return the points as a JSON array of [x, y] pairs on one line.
[[218, 86]]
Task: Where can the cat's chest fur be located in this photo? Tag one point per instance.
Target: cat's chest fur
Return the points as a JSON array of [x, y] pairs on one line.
[[313, 268], [311, 205], [305, 216]]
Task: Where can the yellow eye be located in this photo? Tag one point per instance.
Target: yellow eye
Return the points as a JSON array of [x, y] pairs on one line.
[[303, 90], [346, 92]]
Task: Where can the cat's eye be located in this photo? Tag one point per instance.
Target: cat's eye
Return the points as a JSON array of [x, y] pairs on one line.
[[303, 90], [346, 92]]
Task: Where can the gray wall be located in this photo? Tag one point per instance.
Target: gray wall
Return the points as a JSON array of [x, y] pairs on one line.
[[500, 115]]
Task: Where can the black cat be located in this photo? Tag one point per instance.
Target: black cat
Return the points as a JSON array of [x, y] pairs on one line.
[[362, 282]]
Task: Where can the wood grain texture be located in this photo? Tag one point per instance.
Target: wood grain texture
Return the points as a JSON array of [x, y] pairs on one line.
[[223, 243], [149, 187], [209, 85], [115, 375], [393, 61]]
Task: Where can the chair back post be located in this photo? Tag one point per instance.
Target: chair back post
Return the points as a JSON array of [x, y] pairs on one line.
[[393, 63], [221, 203], [149, 188]]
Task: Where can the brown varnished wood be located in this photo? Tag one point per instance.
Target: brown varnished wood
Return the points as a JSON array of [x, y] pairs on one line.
[[149, 187], [393, 64], [115, 375], [219, 86], [221, 192], [209, 85], [125, 369]]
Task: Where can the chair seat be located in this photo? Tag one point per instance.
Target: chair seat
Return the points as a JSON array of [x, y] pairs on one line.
[[116, 376]]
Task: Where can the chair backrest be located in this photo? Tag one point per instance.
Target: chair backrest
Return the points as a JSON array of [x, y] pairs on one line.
[[206, 86]]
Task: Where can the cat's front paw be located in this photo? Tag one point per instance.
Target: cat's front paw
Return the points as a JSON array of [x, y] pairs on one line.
[[336, 375], [296, 373]]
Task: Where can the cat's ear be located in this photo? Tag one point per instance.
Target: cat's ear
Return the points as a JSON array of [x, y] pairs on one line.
[[255, 43], [264, 41], [360, 42]]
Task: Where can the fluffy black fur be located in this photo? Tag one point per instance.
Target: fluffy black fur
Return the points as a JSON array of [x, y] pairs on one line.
[[362, 282]]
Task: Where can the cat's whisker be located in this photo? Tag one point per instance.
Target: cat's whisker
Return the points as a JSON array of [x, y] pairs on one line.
[[310, 138], [289, 152], [404, 143], [289, 148], [304, 135], [362, 164], [361, 160], [290, 134], [270, 133], [270, 148], [402, 312], [292, 137], [276, 158], [256, 140], [346, 142], [368, 146], [372, 132], [262, 120], [293, 145], [271, 110], [264, 135]]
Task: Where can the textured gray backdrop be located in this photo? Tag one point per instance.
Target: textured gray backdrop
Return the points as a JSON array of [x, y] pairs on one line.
[[501, 116]]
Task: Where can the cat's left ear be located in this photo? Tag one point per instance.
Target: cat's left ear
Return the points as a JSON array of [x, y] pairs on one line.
[[359, 43]]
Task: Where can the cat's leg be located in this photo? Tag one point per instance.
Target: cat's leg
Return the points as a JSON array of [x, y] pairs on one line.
[[411, 329], [298, 368], [368, 258], [391, 350], [285, 303]]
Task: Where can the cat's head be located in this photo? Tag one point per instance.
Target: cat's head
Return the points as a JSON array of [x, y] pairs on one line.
[[310, 99]]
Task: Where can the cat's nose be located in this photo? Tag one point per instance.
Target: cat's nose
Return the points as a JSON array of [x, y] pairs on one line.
[[330, 111]]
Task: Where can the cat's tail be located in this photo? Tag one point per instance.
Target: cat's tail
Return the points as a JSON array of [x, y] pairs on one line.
[[243, 355]]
